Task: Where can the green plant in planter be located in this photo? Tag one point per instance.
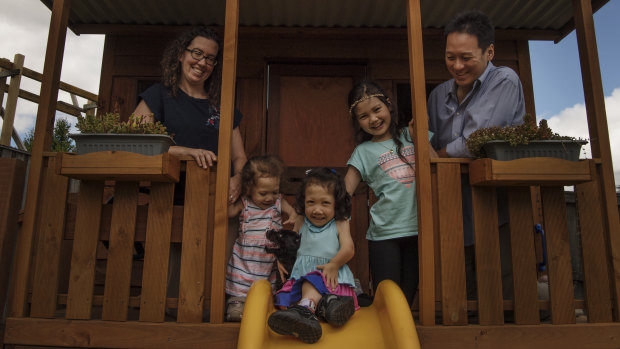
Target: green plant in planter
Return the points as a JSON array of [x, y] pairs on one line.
[[514, 135], [107, 133], [111, 123]]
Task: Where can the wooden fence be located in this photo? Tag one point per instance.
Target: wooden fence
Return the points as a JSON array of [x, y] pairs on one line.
[[16, 70], [87, 285]]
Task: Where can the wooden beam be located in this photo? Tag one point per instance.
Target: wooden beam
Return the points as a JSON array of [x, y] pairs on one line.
[[42, 142], [61, 106], [123, 29], [119, 334], [568, 27], [12, 174], [229, 75], [11, 102], [422, 165], [599, 336], [599, 134], [29, 73], [525, 74]]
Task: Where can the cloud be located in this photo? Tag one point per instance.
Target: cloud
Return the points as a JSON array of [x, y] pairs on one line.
[[572, 121], [24, 27]]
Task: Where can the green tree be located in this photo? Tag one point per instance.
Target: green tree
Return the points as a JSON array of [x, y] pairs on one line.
[[60, 140]]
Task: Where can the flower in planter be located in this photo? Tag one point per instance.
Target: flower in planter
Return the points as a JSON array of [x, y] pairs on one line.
[[514, 135], [110, 123]]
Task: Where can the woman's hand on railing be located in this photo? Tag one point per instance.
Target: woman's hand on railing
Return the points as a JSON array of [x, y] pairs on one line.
[[204, 158]]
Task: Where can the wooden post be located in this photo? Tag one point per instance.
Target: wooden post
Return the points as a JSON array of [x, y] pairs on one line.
[[12, 173], [422, 165], [229, 75], [599, 134], [42, 142], [11, 101], [525, 74]]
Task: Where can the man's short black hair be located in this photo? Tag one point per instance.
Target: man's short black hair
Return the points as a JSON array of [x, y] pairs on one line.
[[474, 23]]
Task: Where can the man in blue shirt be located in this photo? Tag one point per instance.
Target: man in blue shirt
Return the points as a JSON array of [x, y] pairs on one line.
[[478, 95]]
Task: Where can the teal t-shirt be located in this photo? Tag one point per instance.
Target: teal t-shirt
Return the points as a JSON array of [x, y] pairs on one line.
[[395, 214]]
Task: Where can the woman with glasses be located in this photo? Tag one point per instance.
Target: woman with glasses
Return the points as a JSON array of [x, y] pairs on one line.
[[187, 103]]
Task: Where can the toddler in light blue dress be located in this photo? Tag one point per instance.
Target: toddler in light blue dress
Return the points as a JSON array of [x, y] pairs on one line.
[[320, 283]]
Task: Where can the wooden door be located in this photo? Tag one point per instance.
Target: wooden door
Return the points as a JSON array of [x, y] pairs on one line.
[[308, 125]]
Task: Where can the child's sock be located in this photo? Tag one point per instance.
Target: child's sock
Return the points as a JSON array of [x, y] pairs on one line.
[[308, 303]]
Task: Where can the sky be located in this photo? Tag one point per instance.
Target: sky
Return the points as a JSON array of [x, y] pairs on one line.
[[558, 88]]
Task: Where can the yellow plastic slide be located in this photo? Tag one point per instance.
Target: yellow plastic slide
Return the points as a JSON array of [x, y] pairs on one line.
[[387, 323]]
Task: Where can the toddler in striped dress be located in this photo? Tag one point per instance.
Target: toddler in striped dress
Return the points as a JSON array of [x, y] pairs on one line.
[[260, 210]]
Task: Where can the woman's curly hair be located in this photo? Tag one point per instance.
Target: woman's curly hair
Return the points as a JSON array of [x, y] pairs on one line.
[[334, 183], [171, 67]]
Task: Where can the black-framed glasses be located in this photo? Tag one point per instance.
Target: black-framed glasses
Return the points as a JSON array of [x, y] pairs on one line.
[[199, 55]]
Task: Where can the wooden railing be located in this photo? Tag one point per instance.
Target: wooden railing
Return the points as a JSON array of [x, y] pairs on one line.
[[518, 178], [16, 70], [86, 283]]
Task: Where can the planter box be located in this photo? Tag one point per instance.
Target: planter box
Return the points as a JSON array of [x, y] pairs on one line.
[[119, 166], [149, 144], [528, 172], [503, 151]]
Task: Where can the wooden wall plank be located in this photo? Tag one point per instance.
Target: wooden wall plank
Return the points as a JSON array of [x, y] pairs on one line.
[[194, 246], [454, 294], [523, 257], [82, 275], [120, 252], [46, 268], [157, 252], [251, 104], [558, 256], [488, 266], [12, 176], [594, 252]]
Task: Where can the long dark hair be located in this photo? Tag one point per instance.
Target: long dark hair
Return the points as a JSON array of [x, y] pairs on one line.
[[365, 89], [171, 67], [334, 183]]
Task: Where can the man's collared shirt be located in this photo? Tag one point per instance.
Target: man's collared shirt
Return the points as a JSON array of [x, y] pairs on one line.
[[496, 99]]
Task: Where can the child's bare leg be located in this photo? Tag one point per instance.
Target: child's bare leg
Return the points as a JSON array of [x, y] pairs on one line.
[[334, 309], [299, 319], [309, 293]]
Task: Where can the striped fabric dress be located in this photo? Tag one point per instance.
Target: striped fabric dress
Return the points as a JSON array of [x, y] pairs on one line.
[[249, 261]]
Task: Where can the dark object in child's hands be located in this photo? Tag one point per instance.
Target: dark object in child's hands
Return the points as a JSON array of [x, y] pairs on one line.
[[286, 244]]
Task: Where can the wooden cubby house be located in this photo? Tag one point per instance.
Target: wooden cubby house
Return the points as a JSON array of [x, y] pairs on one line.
[[288, 66]]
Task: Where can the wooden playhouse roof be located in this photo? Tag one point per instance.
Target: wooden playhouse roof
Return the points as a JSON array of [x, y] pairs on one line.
[[535, 19]]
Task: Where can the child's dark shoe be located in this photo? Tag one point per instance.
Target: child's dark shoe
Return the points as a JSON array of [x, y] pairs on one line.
[[296, 321], [234, 309], [336, 310]]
